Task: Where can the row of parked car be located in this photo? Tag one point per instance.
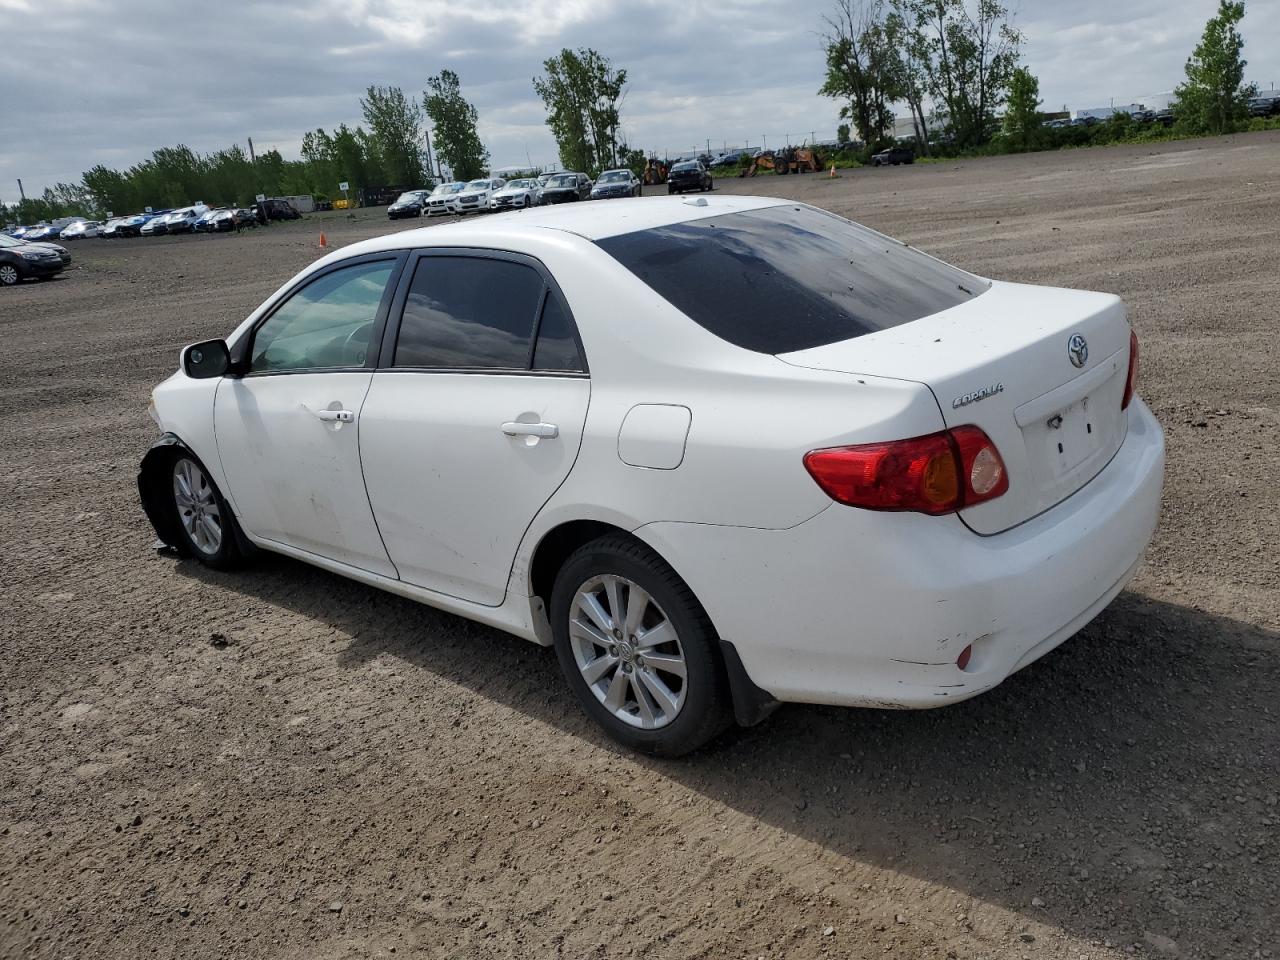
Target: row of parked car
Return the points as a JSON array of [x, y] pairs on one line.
[[494, 193], [196, 218]]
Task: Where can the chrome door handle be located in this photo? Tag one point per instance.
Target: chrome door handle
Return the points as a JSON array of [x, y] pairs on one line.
[[336, 416], [548, 431]]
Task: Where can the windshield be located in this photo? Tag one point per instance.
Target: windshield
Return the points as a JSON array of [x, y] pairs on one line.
[[562, 181], [454, 187], [10, 241], [614, 176], [521, 184], [478, 185], [407, 197], [682, 167], [789, 278]]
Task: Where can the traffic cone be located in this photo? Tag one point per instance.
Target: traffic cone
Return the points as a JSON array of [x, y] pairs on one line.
[[323, 242], [832, 175]]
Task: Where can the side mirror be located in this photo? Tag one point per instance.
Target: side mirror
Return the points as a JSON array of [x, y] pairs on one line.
[[204, 361]]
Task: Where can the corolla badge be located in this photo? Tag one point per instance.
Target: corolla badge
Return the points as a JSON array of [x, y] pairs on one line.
[[1078, 350], [977, 395]]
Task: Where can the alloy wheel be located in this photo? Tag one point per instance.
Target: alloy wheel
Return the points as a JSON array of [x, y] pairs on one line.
[[628, 652], [8, 274], [197, 506]]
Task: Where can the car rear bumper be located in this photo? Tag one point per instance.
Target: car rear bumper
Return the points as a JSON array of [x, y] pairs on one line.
[[860, 608]]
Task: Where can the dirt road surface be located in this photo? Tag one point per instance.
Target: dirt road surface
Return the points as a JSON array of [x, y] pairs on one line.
[[280, 763]]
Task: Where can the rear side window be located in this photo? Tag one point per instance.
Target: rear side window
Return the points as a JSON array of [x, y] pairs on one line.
[[557, 346], [483, 313], [468, 313], [790, 278]]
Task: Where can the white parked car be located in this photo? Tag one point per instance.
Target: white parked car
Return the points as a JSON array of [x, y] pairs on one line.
[[719, 452], [80, 230], [438, 201], [517, 194], [183, 220], [474, 197]]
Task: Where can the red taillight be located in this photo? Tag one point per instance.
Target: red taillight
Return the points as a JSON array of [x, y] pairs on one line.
[[1132, 380], [935, 474]]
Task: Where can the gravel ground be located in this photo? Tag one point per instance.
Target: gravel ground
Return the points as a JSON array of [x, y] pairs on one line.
[[280, 763]]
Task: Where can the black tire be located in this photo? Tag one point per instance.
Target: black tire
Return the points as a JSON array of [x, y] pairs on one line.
[[670, 190], [707, 709], [10, 274], [227, 556]]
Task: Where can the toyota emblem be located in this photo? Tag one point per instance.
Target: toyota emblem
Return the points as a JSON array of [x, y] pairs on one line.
[[1078, 350]]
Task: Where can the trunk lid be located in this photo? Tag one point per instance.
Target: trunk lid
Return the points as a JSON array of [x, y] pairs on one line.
[[1006, 361]]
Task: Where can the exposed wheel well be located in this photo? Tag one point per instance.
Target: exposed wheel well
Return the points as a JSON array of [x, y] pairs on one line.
[[555, 548]]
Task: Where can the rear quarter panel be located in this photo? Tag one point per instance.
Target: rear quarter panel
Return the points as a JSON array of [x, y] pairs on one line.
[[753, 417]]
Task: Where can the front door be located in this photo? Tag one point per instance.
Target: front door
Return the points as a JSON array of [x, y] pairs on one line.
[[288, 431], [475, 422]]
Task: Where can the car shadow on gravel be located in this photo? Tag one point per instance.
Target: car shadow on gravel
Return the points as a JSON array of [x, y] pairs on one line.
[[1129, 773]]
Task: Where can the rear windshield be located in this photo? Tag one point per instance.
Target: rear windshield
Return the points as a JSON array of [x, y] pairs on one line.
[[790, 278]]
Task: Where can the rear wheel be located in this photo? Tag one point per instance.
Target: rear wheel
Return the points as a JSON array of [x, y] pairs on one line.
[[205, 527], [637, 649]]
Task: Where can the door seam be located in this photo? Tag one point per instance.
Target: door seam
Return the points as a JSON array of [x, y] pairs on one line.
[[364, 483]]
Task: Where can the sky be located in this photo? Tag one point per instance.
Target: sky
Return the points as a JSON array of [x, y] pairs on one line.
[[84, 82]]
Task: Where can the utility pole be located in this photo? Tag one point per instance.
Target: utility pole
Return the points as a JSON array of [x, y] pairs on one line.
[[252, 158], [21, 193], [427, 134]]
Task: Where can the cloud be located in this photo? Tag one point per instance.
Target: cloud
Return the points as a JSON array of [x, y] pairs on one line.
[[108, 81]]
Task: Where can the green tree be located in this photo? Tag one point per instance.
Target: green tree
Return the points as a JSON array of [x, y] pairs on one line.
[[395, 128], [972, 49], [911, 63], [1022, 112], [861, 67], [1214, 98], [453, 120], [631, 159], [583, 94]]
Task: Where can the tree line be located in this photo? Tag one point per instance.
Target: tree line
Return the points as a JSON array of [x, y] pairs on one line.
[[955, 66], [404, 141]]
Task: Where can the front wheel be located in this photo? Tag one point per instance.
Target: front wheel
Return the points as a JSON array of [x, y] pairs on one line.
[[9, 275], [637, 649], [205, 527]]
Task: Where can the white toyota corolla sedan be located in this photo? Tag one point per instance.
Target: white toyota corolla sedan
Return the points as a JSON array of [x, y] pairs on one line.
[[720, 453]]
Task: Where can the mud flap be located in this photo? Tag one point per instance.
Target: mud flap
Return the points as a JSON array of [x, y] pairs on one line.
[[751, 705]]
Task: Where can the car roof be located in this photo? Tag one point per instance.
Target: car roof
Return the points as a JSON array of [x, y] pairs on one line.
[[588, 220]]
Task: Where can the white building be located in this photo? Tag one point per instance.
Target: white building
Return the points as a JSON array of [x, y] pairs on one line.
[[1102, 113]]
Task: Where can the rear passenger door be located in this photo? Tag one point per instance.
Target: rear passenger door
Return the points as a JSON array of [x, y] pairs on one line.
[[473, 419]]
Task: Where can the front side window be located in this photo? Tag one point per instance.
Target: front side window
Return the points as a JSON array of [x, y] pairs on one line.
[[328, 323], [469, 313]]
